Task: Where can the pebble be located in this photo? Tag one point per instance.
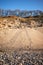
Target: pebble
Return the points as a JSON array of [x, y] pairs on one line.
[[33, 58]]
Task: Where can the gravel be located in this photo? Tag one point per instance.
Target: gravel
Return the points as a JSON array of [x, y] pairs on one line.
[[21, 58]]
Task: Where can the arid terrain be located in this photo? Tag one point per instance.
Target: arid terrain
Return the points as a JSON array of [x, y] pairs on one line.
[[21, 41], [25, 37], [17, 32]]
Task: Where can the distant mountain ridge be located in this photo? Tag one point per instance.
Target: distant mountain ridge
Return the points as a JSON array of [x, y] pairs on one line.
[[21, 13]]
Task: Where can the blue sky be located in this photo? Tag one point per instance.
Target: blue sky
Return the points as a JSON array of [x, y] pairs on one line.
[[22, 4]]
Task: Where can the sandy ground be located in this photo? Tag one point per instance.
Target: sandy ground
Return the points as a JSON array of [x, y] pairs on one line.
[[40, 29], [21, 38]]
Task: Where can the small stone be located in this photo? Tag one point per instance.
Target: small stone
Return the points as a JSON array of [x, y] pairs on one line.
[[20, 64]]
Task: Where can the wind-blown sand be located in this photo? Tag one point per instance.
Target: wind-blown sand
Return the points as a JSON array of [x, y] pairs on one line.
[[21, 38]]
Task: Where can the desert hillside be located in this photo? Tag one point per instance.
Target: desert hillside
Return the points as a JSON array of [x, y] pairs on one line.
[[17, 32]]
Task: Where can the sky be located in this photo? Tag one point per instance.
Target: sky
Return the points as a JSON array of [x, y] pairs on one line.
[[21, 4]]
